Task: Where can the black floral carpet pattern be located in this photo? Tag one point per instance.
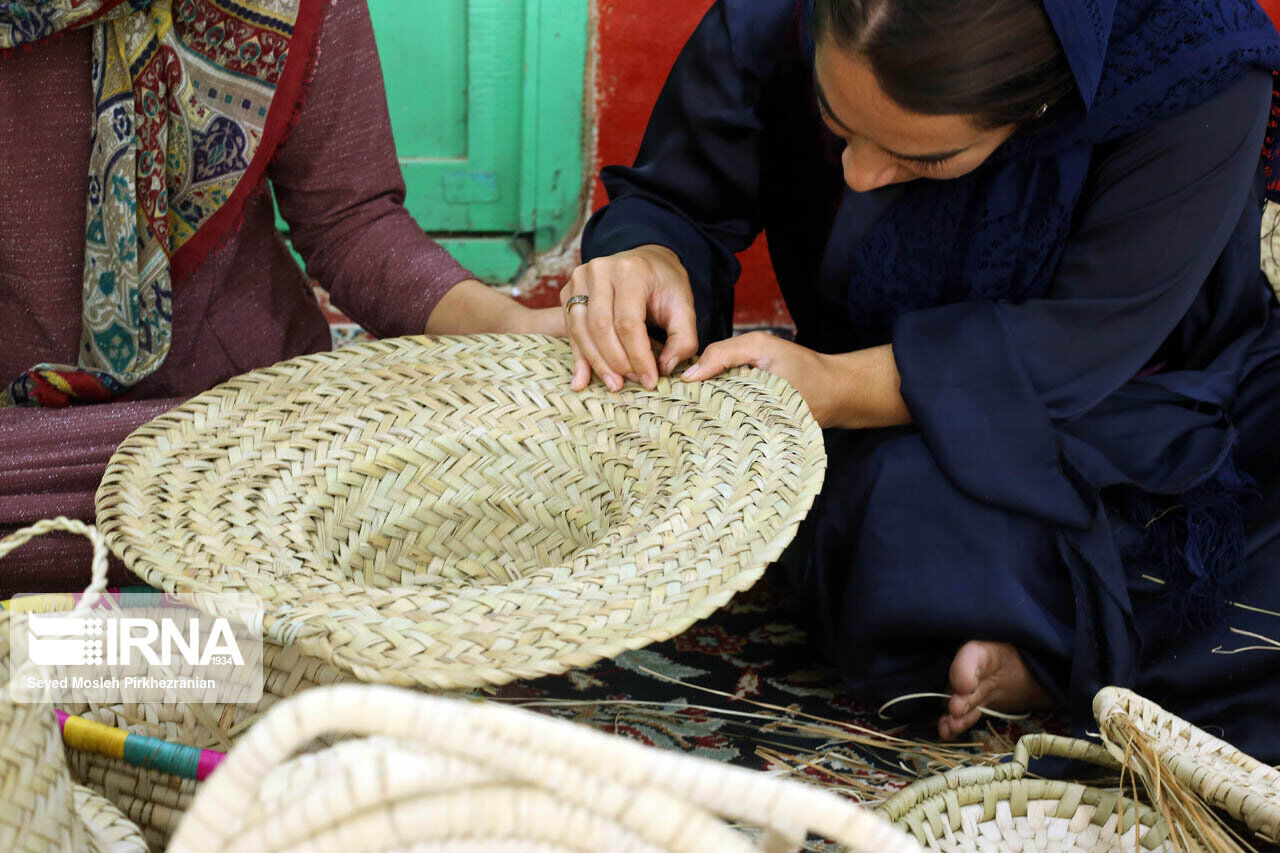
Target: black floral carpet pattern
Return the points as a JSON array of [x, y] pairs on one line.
[[745, 686]]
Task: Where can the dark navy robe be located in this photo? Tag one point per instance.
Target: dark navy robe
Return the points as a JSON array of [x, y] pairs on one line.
[[1156, 347]]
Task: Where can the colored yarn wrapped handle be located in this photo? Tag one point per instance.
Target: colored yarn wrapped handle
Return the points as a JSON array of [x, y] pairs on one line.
[[187, 762]]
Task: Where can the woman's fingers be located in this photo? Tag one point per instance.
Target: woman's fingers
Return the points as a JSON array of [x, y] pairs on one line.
[[718, 358], [600, 321], [755, 349], [629, 324], [580, 365], [607, 303], [621, 289], [585, 347], [682, 335], [586, 356], [581, 368], [818, 378], [670, 305]]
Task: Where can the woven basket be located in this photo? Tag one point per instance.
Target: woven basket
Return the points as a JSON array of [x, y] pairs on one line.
[[445, 513], [996, 809], [421, 455], [40, 808], [1221, 775], [156, 801], [449, 775]]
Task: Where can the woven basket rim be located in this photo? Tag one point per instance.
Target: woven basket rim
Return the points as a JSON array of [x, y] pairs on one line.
[[1218, 772], [931, 806], [942, 805], [109, 828], [312, 627]]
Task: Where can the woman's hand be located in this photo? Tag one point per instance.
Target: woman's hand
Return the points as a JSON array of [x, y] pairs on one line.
[[608, 332], [853, 390], [811, 373]]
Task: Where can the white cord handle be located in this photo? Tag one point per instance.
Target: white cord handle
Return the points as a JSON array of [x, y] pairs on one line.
[[661, 799], [68, 525]]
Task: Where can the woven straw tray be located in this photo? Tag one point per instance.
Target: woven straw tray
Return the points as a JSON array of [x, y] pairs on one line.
[[446, 513]]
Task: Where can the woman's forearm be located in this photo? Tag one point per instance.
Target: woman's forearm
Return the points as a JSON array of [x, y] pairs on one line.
[[471, 307]]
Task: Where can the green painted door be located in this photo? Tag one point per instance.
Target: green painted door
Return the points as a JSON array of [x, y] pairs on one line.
[[486, 102], [486, 107]]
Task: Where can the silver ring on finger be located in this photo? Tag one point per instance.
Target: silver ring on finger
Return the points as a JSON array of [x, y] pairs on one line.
[[579, 299]]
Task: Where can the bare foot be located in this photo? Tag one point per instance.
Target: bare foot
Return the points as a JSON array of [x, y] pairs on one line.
[[988, 675]]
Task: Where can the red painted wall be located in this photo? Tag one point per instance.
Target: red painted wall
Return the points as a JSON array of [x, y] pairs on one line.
[[1273, 9], [637, 41]]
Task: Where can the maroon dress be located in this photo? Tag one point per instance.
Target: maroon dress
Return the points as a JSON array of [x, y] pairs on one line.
[[338, 185]]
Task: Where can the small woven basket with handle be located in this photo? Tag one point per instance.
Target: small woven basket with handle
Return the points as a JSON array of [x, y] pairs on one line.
[[999, 810], [41, 809]]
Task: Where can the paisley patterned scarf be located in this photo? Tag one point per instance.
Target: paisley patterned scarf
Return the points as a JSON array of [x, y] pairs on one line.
[[191, 98]]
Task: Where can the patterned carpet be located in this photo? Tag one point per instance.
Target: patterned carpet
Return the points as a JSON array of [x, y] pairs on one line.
[[746, 687]]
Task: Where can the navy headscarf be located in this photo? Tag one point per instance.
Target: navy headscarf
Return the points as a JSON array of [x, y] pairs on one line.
[[999, 232], [948, 257]]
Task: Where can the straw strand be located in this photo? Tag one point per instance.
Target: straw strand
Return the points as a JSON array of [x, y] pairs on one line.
[[999, 715]]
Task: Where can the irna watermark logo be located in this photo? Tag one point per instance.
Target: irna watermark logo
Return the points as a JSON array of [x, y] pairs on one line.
[[90, 641], [137, 647]]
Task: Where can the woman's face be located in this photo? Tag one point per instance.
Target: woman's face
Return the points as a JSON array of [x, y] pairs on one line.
[[885, 144]]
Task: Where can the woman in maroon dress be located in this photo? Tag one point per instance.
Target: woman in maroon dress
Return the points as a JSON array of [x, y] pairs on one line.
[[164, 125]]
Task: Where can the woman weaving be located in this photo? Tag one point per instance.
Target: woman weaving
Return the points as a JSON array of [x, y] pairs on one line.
[[1019, 240], [163, 121]]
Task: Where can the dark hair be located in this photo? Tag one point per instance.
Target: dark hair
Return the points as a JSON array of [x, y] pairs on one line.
[[997, 60]]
